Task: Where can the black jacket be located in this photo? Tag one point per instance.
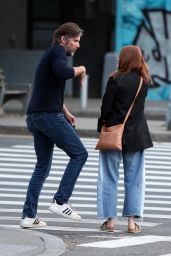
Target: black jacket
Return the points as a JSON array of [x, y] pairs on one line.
[[119, 95]]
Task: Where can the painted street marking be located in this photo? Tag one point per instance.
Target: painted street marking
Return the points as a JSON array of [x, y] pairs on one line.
[[54, 185], [84, 213], [128, 241], [166, 254], [68, 229], [83, 221], [17, 164], [48, 191], [81, 205], [79, 198]]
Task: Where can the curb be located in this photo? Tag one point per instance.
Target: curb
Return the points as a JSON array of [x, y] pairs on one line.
[[14, 130], [160, 137], [159, 116], [52, 245], [157, 137], [20, 130]]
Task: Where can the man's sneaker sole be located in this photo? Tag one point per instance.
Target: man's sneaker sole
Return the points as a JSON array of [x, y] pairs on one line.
[[32, 226], [54, 210]]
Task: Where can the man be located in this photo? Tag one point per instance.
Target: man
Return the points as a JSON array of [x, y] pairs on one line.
[[50, 123]]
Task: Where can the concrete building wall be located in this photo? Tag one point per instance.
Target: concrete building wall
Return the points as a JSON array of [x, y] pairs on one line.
[[13, 24], [29, 24]]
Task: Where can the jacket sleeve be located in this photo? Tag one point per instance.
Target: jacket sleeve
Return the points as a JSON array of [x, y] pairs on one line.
[[59, 65], [109, 97]]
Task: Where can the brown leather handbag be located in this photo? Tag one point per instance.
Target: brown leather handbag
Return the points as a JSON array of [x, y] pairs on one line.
[[111, 137]]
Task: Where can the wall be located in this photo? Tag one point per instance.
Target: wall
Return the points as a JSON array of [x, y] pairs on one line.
[[19, 66], [13, 24], [146, 23]]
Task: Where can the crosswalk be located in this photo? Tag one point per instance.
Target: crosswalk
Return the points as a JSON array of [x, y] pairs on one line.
[[17, 163]]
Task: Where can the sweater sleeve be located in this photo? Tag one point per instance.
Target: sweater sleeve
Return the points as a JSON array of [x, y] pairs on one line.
[[108, 97], [59, 64]]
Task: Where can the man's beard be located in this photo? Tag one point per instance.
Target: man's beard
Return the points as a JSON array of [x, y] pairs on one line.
[[69, 53]]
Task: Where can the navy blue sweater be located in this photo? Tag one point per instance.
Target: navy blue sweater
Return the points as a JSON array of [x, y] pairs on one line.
[[50, 76]]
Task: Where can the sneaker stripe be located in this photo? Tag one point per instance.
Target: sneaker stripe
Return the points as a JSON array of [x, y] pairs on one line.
[[65, 210], [68, 212], [36, 221]]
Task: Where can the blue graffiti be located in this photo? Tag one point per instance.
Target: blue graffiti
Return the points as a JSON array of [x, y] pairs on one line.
[[153, 36], [147, 23]]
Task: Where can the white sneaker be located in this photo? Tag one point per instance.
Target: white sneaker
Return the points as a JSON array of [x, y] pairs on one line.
[[32, 223], [64, 210]]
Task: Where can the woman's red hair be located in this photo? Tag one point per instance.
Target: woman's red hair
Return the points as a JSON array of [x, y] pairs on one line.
[[131, 58]]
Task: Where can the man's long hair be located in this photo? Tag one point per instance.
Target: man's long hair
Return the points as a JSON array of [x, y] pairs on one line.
[[69, 29]]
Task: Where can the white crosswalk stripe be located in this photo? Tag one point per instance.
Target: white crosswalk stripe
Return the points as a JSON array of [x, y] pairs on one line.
[[127, 241], [17, 163]]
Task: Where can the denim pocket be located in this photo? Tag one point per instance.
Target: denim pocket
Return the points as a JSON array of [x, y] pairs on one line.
[[55, 121], [39, 121]]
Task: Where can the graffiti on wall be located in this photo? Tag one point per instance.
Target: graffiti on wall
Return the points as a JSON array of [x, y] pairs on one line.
[[153, 36], [147, 23]]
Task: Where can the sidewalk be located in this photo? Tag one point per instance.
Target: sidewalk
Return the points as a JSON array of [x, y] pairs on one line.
[[13, 123], [21, 242]]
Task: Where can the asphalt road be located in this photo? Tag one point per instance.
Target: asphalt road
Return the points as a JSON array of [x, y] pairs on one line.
[[84, 238]]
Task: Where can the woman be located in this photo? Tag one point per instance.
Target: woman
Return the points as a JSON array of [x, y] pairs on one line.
[[120, 93]]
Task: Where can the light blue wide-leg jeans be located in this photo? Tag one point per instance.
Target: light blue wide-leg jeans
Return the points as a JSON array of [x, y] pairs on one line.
[[107, 184]]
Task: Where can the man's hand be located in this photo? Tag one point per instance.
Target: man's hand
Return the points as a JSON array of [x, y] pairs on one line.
[[80, 71], [71, 118], [82, 77]]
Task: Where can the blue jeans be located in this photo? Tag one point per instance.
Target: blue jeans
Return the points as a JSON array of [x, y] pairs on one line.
[[49, 129], [107, 185]]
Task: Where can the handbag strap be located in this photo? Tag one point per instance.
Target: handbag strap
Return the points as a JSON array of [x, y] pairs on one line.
[[129, 111]]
